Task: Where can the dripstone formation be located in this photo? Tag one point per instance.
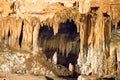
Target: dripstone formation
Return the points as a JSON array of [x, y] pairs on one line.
[[75, 37]]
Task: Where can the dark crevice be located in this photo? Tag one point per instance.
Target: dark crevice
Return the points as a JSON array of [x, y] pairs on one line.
[[21, 35], [61, 3], [48, 78], [45, 32], [106, 14], [76, 4], [8, 34], [68, 27], [112, 78], [94, 8]]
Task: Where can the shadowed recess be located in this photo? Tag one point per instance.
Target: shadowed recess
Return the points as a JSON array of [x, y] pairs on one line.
[[65, 42], [21, 35], [118, 25]]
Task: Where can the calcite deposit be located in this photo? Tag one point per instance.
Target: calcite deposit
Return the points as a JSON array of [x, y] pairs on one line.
[[75, 37]]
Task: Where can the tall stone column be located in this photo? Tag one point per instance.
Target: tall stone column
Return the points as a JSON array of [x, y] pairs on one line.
[[83, 41], [94, 48]]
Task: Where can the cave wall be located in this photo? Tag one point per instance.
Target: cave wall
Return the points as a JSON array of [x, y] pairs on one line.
[[95, 42], [19, 18]]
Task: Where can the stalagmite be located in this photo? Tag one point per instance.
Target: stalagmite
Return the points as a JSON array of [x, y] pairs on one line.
[[54, 58], [18, 28], [7, 28], [71, 67]]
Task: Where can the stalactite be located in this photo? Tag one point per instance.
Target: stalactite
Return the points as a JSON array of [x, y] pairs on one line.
[[78, 27], [96, 56], [55, 28], [2, 30], [13, 32], [36, 27], [50, 22], [98, 45], [18, 28], [21, 35], [6, 23], [61, 43], [27, 36], [83, 41], [94, 44], [69, 47]]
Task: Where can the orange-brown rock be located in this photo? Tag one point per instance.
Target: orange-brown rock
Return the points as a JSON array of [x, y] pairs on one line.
[[21, 21]]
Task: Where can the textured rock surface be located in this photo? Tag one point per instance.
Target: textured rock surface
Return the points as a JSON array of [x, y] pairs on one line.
[[95, 45], [23, 62], [21, 21]]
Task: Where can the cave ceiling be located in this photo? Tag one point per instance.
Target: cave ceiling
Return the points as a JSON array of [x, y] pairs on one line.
[[45, 9]]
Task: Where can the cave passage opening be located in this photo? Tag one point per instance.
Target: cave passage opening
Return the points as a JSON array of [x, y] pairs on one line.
[[66, 42], [69, 43]]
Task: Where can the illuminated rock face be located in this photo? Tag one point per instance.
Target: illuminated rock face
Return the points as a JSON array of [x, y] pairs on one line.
[[94, 46], [21, 21]]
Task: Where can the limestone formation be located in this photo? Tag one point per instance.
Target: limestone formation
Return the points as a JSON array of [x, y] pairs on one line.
[[54, 59], [71, 67], [80, 32]]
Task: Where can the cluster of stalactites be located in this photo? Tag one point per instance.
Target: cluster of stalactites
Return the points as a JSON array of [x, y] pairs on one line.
[[18, 32], [95, 34], [62, 17], [61, 43]]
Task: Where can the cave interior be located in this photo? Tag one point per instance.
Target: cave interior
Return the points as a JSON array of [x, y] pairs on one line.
[[65, 42]]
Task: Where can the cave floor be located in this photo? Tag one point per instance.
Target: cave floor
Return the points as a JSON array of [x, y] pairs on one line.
[[10, 76]]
